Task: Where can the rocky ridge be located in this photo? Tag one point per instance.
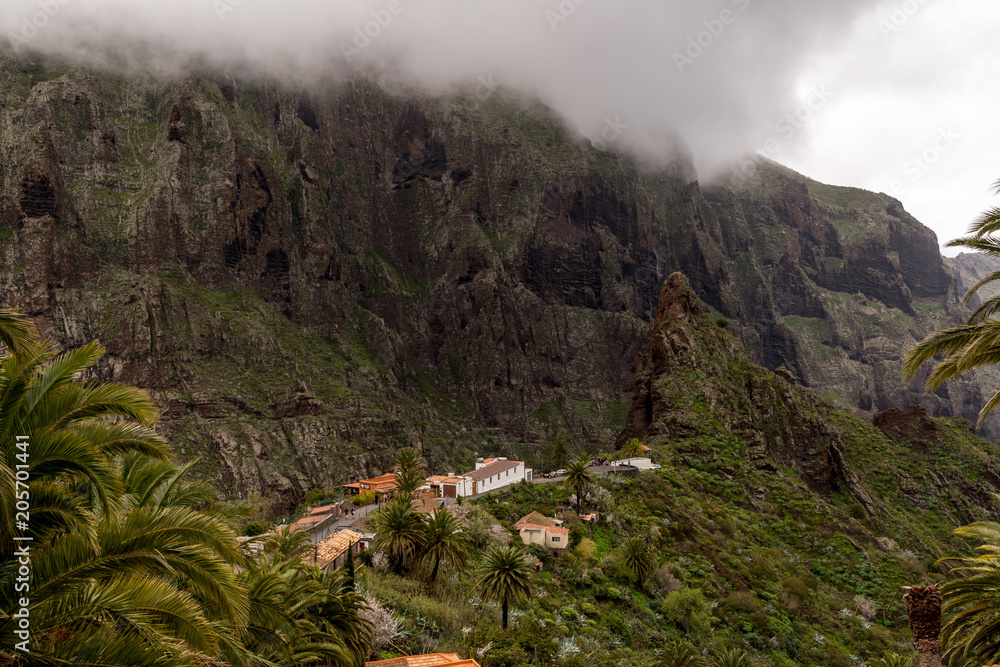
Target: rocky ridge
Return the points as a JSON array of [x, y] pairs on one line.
[[700, 398]]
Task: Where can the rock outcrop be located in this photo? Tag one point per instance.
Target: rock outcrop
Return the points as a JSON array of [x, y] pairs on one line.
[[911, 426], [701, 403], [694, 381]]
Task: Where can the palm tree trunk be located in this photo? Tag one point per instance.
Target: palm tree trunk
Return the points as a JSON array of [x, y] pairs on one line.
[[504, 605], [399, 566], [923, 609], [434, 572]]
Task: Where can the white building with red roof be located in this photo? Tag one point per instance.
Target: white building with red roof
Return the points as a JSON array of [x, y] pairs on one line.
[[490, 474]]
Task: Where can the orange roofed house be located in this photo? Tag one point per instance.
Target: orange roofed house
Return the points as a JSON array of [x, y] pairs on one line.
[[535, 528], [432, 660], [331, 553], [381, 485]]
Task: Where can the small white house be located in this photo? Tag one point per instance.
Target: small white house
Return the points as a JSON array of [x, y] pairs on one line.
[[641, 462], [538, 529], [450, 485]]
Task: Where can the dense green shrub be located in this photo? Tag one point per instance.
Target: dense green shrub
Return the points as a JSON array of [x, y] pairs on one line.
[[586, 550], [688, 610], [363, 499], [314, 497], [605, 592], [617, 626], [509, 655], [539, 552], [254, 528], [656, 506], [742, 601], [577, 533]]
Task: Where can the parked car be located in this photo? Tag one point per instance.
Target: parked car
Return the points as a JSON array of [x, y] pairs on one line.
[[655, 466], [560, 472]]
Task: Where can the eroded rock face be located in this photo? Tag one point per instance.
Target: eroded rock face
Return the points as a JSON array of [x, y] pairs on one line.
[[469, 272], [418, 153], [911, 425], [694, 383]]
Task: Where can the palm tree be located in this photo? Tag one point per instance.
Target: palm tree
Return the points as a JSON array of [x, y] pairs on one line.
[[119, 576], [165, 573], [444, 539], [298, 615], [972, 601], [977, 342], [680, 653], [408, 480], [634, 553], [732, 658], [338, 612], [893, 660], [923, 610], [632, 449], [290, 544], [505, 577], [74, 431], [409, 458], [132, 563], [399, 531], [579, 478]]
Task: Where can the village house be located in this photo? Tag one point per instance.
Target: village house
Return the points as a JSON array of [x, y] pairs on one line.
[[535, 528], [381, 485], [331, 553], [432, 660], [490, 475], [318, 526], [450, 486]]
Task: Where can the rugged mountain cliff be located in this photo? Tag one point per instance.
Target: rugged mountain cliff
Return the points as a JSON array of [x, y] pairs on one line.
[[698, 394], [307, 278], [801, 474]]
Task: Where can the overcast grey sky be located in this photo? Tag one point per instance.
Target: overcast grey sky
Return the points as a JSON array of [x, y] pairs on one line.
[[895, 96]]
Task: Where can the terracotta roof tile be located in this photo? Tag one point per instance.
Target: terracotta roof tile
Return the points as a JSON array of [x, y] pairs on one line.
[[431, 660], [334, 546], [536, 518], [547, 529], [494, 468]]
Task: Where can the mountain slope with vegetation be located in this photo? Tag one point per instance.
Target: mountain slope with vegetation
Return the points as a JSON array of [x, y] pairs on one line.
[[779, 525], [308, 278]]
